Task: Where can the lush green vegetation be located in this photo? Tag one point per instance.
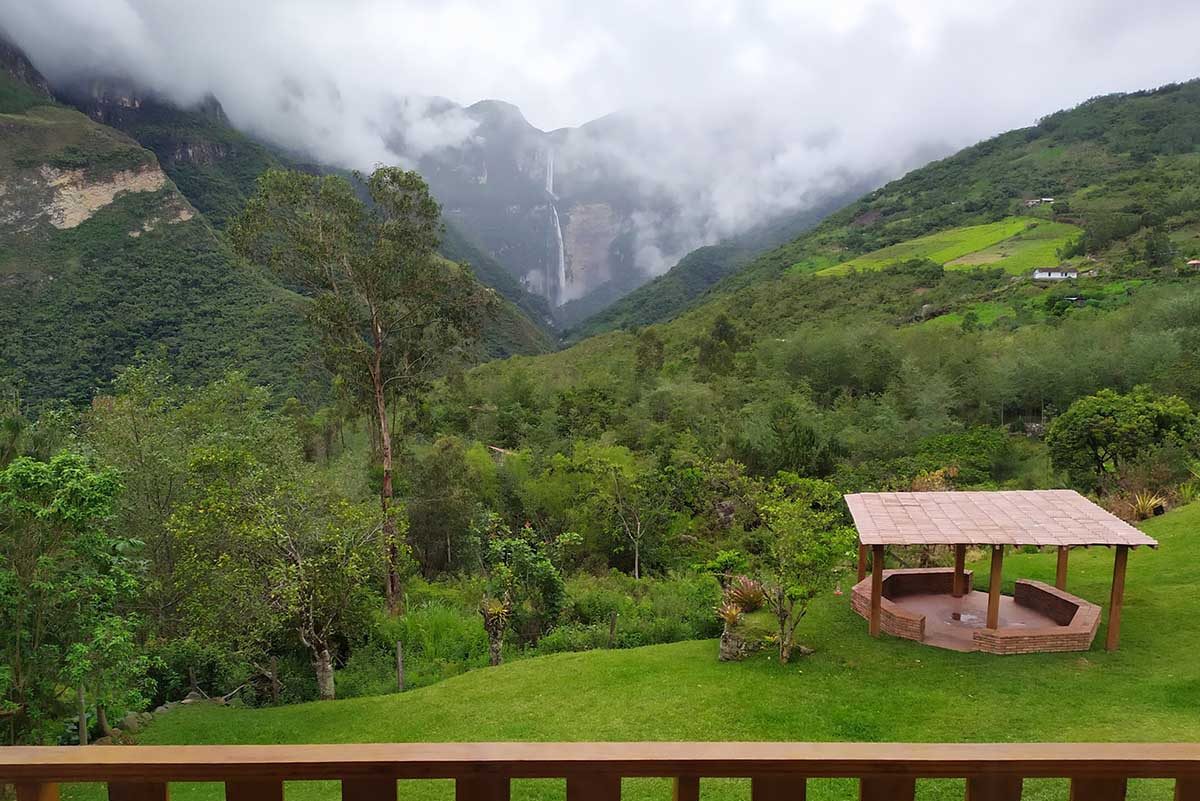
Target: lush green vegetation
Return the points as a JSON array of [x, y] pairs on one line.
[[1016, 244], [276, 537], [852, 688]]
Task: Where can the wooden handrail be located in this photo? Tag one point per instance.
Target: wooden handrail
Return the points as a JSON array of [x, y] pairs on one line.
[[483, 769]]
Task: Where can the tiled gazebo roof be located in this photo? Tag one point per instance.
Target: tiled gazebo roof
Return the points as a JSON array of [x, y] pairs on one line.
[[1026, 517]]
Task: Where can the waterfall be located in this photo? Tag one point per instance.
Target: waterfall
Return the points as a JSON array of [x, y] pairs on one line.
[[556, 285], [562, 259]]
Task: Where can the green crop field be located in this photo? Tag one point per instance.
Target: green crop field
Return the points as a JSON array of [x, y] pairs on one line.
[[1017, 244], [852, 688]]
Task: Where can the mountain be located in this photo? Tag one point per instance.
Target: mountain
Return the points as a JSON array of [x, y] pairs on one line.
[[106, 249], [102, 257], [895, 337], [215, 166]]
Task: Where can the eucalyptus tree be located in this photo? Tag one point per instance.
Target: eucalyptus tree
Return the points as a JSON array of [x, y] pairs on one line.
[[390, 313]]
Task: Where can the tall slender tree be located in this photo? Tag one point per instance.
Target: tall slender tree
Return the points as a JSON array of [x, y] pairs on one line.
[[391, 314]]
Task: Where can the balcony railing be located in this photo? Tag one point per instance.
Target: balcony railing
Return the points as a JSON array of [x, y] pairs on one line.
[[593, 771]]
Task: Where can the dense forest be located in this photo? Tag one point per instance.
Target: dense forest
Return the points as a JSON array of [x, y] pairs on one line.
[[184, 511]]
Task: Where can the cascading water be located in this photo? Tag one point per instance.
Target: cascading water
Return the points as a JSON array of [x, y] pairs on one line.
[[556, 286]]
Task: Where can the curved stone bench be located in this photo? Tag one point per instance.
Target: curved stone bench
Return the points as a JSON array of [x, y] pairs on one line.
[[1077, 619], [894, 619]]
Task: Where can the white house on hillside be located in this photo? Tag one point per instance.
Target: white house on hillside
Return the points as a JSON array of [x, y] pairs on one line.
[[1055, 274]]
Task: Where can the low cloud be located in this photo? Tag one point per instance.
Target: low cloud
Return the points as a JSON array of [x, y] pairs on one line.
[[735, 111]]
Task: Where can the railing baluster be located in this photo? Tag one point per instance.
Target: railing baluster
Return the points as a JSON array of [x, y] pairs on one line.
[[254, 790], [137, 791], [1083, 789], [886, 788], [482, 788], [994, 788], [368, 790], [37, 792], [687, 788], [600, 787], [1187, 789], [778, 788]]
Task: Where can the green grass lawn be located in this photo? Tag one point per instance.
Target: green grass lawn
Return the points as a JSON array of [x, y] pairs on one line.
[[986, 313], [853, 688], [1018, 244]]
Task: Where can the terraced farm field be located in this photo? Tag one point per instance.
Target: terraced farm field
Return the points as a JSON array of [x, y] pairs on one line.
[[1017, 244]]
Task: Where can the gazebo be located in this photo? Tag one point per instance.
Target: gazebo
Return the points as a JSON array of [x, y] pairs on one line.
[[937, 605]]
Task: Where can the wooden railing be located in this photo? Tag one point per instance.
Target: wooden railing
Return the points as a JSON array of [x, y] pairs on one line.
[[593, 771]]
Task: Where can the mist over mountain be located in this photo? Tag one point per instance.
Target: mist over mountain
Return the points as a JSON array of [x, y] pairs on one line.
[[681, 129]]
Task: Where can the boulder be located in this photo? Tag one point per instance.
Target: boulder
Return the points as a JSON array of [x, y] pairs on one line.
[[131, 722], [161, 710]]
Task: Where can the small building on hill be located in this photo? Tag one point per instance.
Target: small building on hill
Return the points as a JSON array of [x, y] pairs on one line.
[[1193, 264], [1055, 274]]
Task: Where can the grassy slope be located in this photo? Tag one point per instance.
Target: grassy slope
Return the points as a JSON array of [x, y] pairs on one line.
[[853, 688], [1017, 244]]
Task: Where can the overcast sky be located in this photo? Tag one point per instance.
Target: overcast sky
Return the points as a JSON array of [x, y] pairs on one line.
[[782, 94]]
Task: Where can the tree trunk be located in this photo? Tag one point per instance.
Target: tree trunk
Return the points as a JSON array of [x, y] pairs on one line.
[[399, 666], [392, 587], [102, 719], [323, 665], [83, 727], [785, 651], [274, 681], [637, 560], [496, 649]]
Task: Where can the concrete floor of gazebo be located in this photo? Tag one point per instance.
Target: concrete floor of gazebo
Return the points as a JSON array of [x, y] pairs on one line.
[[943, 630]]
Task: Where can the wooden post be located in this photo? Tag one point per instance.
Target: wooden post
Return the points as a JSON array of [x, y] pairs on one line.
[[886, 788], [686, 788], [368, 790], [1060, 575], [482, 788], [994, 788], [778, 788], [1185, 789], [612, 629], [137, 791], [993, 610], [399, 666], [602, 787], [1118, 596], [862, 561], [254, 790], [876, 588], [1098, 789], [37, 792], [960, 571]]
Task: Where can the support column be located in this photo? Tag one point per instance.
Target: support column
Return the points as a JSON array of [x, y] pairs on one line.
[[1060, 575], [1118, 596], [876, 588], [993, 610], [960, 571], [862, 561]]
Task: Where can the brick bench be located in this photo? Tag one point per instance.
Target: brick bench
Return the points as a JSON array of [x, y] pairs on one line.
[[894, 619], [1078, 621]]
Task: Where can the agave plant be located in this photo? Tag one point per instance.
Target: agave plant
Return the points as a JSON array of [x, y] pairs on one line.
[[1146, 504], [746, 593], [729, 613]]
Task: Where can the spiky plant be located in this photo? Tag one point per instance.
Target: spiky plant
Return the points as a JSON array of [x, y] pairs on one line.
[[746, 593], [729, 613], [1144, 504]]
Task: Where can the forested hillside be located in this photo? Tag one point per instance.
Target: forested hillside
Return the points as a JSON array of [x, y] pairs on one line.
[[103, 257]]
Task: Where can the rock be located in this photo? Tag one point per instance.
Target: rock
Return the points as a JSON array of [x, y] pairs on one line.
[[733, 647], [161, 710], [803, 650], [131, 722], [144, 718], [194, 697]]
